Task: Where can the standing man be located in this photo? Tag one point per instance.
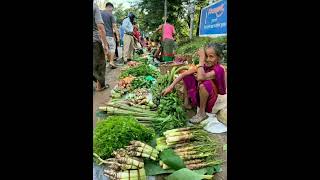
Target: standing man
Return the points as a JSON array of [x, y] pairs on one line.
[[99, 63], [128, 41], [110, 26]]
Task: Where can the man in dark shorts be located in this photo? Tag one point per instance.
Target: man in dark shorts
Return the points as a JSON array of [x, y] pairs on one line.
[[99, 63]]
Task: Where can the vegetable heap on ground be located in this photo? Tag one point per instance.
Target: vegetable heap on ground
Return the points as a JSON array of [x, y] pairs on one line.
[[123, 86], [127, 164], [142, 82], [170, 109], [140, 70], [181, 148], [192, 144], [116, 132]]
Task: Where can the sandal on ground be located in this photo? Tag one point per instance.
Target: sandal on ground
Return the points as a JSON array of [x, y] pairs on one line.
[[197, 119], [113, 66], [103, 88]]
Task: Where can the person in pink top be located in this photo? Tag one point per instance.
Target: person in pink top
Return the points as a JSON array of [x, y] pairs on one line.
[[168, 43]]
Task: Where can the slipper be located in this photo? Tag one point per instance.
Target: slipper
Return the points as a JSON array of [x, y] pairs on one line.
[[198, 119], [103, 88], [113, 66], [193, 118]]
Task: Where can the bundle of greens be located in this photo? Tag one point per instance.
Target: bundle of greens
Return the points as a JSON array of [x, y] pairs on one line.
[[116, 132], [140, 149], [128, 161], [143, 113], [138, 174], [140, 70], [141, 82], [191, 144], [121, 163], [164, 81], [171, 109]]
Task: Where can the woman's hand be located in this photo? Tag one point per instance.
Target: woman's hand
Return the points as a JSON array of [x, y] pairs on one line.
[[167, 90]]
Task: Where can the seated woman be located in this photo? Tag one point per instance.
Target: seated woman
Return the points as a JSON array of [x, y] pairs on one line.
[[203, 89]]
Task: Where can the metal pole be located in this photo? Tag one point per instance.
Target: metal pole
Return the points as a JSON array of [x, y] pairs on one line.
[[165, 11], [191, 19]]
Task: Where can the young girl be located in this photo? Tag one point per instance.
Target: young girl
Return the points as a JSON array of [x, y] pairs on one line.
[[203, 88]]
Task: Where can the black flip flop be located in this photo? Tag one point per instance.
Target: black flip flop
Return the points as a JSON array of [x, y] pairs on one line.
[[113, 67], [103, 88]]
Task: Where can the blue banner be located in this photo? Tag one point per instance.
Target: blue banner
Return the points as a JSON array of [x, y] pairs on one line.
[[213, 20]]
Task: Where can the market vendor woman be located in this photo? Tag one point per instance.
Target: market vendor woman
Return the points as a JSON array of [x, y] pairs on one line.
[[203, 88], [167, 40]]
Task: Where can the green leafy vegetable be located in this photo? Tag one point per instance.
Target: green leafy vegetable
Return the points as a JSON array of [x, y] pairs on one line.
[[171, 108], [116, 132], [140, 70], [170, 158], [187, 174], [152, 168], [209, 170], [141, 82]]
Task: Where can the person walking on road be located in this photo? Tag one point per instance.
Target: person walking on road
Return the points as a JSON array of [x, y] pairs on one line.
[[167, 41], [100, 46], [128, 40], [111, 27]]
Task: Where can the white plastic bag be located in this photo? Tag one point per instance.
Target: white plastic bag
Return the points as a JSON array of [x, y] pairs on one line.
[[221, 103], [222, 116]]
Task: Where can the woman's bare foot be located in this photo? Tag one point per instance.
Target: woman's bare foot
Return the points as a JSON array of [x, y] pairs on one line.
[[198, 118]]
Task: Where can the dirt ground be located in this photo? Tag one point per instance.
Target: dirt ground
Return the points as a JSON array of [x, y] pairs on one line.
[[99, 98]]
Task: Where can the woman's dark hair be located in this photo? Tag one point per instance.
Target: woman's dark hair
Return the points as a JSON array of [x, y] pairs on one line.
[[169, 19], [109, 4], [217, 48], [147, 38]]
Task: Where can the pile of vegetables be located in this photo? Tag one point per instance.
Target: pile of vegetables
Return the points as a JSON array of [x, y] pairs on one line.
[[141, 82], [139, 51], [138, 174], [170, 107], [128, 163], [192, 144], [116, 132], [133, 63], [140, 70], [123, 86], [139, 97], [143, 113], [164, 81], [125, 83]]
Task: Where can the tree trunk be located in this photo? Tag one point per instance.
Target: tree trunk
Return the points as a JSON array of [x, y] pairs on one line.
[[197, 34]]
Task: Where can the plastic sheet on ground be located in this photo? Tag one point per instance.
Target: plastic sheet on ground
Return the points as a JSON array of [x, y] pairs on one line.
[[98, 173], [213, 125]]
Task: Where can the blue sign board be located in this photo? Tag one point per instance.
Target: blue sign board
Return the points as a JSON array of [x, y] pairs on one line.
[[213, 20]]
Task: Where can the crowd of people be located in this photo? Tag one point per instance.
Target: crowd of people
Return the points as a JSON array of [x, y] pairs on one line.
[[107, 38]]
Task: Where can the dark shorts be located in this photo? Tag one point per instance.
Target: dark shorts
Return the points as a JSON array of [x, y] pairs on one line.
[[99, 63]]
